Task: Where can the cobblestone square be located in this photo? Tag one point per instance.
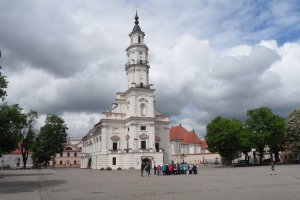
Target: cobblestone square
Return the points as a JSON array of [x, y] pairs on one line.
[[211, 183]]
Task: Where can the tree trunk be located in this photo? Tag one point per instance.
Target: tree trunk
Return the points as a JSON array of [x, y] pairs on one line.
[[261, 157], [25, 157], [24, 152]]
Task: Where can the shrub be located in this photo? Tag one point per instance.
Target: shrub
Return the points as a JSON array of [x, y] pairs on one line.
[[102, 169], [108, 168], [119, 168], [131, 168]]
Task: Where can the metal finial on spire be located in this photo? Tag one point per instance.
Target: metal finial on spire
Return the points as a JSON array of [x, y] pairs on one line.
[[136, 18]]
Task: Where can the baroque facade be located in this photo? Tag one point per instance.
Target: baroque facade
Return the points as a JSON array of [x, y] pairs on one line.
[[132, 131], [70, 157]]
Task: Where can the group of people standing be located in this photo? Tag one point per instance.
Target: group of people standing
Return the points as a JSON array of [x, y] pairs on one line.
[[169, 169]]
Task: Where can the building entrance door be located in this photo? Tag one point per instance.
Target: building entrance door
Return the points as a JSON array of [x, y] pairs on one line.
[[147, 160], [89, 163]]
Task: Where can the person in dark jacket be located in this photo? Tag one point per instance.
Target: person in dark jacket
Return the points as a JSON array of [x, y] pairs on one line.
[[155, 169], [194, 169], [148, 166], [143, 165]]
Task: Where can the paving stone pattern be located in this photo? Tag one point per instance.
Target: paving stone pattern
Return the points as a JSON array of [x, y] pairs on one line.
[[211, 183]]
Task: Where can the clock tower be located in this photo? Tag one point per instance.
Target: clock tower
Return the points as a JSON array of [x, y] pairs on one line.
[[137, 66], [131, 132]]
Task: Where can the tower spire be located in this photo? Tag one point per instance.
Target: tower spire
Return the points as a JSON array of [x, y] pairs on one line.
[[136, 27], [136, 18]]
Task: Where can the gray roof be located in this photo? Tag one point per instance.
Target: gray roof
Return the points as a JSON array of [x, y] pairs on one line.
[[136, 27]]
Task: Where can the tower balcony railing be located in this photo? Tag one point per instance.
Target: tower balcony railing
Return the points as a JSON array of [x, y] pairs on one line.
[[143, 62], [141, 85], [139, 62]]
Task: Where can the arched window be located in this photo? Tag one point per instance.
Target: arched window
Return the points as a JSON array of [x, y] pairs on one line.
[[141, 82], [143, 110], [68, 148], [139, 39]]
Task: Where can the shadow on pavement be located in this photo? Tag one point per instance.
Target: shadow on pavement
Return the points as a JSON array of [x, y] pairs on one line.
[[26, 186], [36, 174]]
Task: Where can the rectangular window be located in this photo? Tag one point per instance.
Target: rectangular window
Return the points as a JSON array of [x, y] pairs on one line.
[[114, 160], [75, 162], [60, 162], [75, 154], [143, 144], [157, 147], [128, 129], [115, 146], [143, 128], [61, 154], [68, 154]]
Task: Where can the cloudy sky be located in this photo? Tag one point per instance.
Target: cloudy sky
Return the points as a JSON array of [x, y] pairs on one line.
[[207, 57]]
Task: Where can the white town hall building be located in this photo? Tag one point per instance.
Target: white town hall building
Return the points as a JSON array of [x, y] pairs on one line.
[[133, 130]]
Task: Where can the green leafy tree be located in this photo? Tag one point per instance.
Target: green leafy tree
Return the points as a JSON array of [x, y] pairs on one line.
[[267, 129], [12, 120], [51, 139], [3, 85], [27, 135], [223, 137], [275, 138], [246, 143], [39, 153], [293, 130]]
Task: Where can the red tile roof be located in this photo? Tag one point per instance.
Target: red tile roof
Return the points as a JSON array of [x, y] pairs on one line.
[[191, 138], [19, 152], [203, 144], [177, 133], [180, 133]]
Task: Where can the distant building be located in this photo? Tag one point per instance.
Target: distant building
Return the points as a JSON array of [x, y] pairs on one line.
[[14, 160], [71, 155], [132, 132], [187, 147]]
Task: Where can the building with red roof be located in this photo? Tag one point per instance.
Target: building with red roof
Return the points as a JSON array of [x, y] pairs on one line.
[[186, 146], [14, 159], [184, 141]]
